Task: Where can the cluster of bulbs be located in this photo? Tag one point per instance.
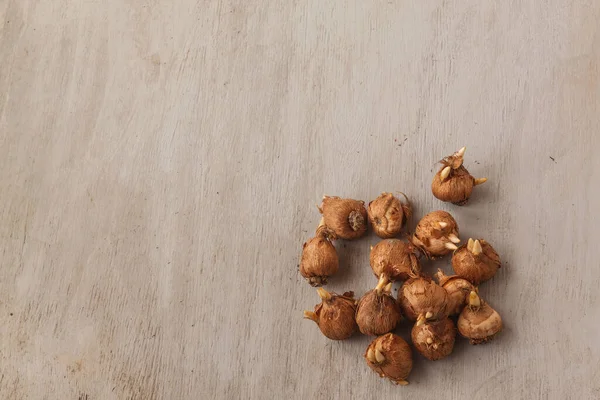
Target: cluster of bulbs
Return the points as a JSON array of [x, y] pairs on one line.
[[432, 307]]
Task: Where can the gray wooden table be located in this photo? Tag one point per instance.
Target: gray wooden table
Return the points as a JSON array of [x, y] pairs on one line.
[[160, 163]]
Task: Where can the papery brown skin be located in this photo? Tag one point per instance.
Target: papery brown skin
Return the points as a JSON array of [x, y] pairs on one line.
[[377, 313], [395, 258], [476, 268], [435, 339], [456, 189], [345, 218], [458, 290], [388, 215], [335, 317], [430, 237], [420, 296], [319, 260], [479, 324], [398, 358]]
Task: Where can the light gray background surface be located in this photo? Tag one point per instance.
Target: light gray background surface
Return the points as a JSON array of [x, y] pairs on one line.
[[160, 163]]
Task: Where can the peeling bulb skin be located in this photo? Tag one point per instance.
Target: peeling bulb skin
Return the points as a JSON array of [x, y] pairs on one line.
[[478, 264], [422, 296], [478, 321], [435, 234], [435, 339], [458, 290], [397, 259], [335, 314], [453, 183], [390, 357], [345, 218], [377, 311], [319, 259], [388, 215]]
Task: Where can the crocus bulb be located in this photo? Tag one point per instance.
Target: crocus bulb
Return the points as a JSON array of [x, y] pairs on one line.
[[388, 215], [478, 321], [346, 218], [434, 339], [457, 288], [436, 234], [453, 183], [390, 356], [377, 311], [334, 315], [423, 296], [396, 259], [319, 258], [477, 261]]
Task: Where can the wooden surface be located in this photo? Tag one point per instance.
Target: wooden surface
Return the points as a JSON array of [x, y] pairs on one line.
[[160, 163]]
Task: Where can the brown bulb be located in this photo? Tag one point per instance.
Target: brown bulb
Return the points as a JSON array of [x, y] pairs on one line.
[[345, 218], [457, 288], [335, 314], [388, 215], [422, 296], [477, 261], [434, 339], [319, 258], [396, 259], [390, 356], [436, 234], [478, 321], [377, 311], [453, 183]]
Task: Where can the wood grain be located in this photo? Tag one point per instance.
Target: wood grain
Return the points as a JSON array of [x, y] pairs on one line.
[[160, 163]]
